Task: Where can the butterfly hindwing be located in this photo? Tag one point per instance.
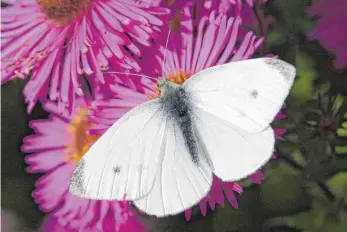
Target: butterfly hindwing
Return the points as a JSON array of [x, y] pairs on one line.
[[122, 164], [234, 153], [180, 183]]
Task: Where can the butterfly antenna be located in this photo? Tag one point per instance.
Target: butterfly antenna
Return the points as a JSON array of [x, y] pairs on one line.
[[167, 42], [134, 74]]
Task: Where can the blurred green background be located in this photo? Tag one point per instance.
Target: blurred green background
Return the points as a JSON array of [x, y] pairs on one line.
[[305, 187]]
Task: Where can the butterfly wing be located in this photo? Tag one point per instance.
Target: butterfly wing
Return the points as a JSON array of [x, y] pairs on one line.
[[234, 153], [123, 162], [233, 105], [180, 183], [247, 93]]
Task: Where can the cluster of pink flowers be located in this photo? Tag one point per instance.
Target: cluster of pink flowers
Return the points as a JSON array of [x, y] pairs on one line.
[[62, 41], [65, 48]]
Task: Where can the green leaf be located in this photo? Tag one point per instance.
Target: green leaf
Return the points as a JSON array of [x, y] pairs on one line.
[[278, 222], [248, 207], [341, 131], [304, 63], [325, 216], [317, 220], [341, 149], [275, 38], [294, 14], [337, 104], [324, 88], [323, 171], [303, 89], [297, 156], [283, 192], [245, 183], [333, 227], [292, 137], [338, 184]]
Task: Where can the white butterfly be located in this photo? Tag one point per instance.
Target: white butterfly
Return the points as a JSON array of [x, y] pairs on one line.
[[162, 154]]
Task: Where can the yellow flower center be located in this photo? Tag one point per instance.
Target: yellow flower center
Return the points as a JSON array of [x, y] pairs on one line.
[[179, 77], [81, 140], [61, 12]]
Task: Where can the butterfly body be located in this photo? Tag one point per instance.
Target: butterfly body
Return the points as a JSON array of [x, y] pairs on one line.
[[178, 106], [163, 153]]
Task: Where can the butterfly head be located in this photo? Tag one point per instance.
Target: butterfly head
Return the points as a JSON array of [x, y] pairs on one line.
[[165, 85]]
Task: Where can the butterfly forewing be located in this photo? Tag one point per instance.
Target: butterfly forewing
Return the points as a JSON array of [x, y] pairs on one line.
[[247, 93], [123, 162]]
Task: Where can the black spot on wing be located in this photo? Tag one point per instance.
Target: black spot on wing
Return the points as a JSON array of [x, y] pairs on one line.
[[254, 94], [116, 169]]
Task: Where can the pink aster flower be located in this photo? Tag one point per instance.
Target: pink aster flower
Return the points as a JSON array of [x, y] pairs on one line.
[[252, 15], [330, 28], [215, 42], [61, 41], [60, 141], [252, 2], [9, 1], [51, 224], [223, 6]]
